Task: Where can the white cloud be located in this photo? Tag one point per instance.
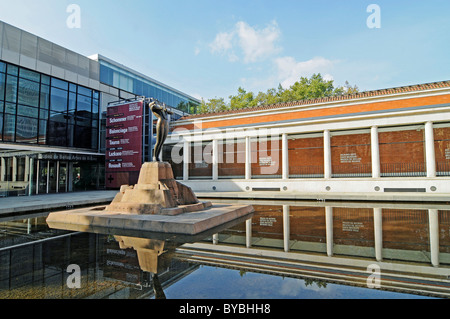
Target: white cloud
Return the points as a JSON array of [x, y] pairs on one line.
[[255, 44], [290, 71], [222, 42]]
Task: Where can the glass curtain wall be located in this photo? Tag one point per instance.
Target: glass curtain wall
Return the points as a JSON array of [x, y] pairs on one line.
[[129, 82], [38, 109]]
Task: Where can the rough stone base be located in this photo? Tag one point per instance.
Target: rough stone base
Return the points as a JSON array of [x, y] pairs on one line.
[[96, 219]]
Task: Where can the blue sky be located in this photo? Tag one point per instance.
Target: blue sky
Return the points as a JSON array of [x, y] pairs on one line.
[[209, 48]]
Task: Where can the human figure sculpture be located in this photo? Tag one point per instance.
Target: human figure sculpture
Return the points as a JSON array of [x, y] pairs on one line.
[[162, 127]]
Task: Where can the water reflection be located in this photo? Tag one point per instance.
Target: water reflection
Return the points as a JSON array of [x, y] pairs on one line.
[[321, 247]]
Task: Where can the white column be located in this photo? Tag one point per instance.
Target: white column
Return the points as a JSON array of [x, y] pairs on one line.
[[375, 150], [248, 158], [433, 220], [284, 156], [429, 150], [215, 160], [48, 177], [186, 160], [378, 233], [37, 176], [286, 227], [57, 176], [27, 169], [2, 169], [215, 239], [327, 153], [248, 233], [329, 229], [14, 169]]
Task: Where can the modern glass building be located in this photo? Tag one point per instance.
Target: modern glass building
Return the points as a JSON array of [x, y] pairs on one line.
[[53, 113]]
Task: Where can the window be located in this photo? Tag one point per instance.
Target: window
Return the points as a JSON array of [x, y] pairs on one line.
[[2, 86], [58, 100], [26, 130], [11, 89], [28, 93]]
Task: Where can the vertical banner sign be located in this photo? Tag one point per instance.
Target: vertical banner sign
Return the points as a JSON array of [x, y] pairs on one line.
[[123, 144]]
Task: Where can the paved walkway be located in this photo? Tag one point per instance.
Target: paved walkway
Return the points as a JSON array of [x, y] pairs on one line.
[[37, 203]]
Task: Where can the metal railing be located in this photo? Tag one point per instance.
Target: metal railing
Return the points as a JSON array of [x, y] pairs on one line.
[[403, 169], [443, 169], [352, 170], [308, 171]]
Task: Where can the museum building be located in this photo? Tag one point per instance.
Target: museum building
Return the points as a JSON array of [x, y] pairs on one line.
[[53, 105], [376, 142]]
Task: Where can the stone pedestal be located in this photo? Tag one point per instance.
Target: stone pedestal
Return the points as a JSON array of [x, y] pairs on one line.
[[156, 192]]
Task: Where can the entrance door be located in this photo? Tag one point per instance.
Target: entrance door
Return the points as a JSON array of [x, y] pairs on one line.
[[62, 182], [52, 177], [42, 177]]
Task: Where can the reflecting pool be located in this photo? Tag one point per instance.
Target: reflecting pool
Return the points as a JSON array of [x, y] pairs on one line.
[[287, 250]]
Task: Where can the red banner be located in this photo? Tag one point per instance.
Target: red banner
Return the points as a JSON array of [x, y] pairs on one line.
[[123, 143]]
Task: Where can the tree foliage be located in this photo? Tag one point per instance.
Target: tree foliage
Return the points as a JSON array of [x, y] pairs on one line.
[[304, 89]]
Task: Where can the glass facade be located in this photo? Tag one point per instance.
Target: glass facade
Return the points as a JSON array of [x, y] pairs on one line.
[[39, 109], [127, 81]]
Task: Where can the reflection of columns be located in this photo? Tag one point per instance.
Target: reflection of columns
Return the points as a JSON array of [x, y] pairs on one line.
[[215, 239], [284, 156], [286, 227], [327, 153], [429, 150], [375, 150], [30, 185], [378, 233], [248, 158], [248, 233], [215, 159], [434, 236], [329, 229], [186, 154]]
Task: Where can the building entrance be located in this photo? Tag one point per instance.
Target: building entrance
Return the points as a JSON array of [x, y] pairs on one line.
[[27, 173]]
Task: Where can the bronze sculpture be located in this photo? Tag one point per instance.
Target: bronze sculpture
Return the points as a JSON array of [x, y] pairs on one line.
[[162, 127]]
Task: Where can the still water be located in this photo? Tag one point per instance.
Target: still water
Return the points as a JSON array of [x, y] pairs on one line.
[[287, 250]]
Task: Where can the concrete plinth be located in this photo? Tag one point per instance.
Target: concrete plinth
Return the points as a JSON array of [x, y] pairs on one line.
[[157, 204]]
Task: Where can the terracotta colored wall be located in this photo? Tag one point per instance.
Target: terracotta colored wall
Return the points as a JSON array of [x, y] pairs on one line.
[[231, 159], [351, 154], [442, 148], [305, 156], [402, 147], [266, 157]]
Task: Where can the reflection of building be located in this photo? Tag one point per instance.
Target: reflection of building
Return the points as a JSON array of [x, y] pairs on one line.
[[393, 140], [34, 263], [338, 243], [52, 113]]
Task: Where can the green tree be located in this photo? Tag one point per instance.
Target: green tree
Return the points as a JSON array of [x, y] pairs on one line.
[[213, 105], [305, 88]]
